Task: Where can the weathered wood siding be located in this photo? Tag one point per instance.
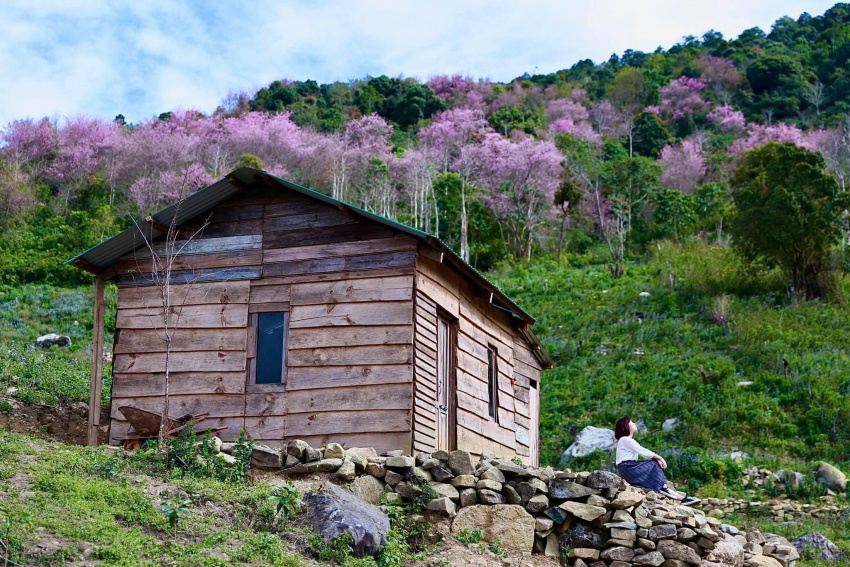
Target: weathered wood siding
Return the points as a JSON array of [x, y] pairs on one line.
[[479, 326], [348, 287]]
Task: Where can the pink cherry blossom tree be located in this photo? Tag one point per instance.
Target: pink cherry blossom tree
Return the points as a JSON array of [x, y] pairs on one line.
[[680, 100], [727, 119], [684, 166]]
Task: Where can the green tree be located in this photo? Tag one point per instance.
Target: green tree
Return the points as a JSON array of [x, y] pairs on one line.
[[250, 160], [789, 212], [650, 135]]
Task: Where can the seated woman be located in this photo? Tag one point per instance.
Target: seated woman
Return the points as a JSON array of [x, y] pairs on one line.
[[647, 474]]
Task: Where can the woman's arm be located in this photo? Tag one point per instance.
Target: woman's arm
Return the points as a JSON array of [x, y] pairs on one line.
[[633, 445]]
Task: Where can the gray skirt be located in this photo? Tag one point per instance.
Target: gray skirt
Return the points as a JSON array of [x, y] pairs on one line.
[[643, 474]]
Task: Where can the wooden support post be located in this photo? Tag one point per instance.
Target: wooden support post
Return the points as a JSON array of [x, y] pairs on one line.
[[96, 362]]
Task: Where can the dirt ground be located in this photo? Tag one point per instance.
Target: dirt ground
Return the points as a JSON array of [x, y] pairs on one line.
[[64, 423]]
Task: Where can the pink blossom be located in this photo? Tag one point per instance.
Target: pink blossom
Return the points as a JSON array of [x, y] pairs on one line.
[[681, 99], [684, 166], [761, 134], [727, 119]]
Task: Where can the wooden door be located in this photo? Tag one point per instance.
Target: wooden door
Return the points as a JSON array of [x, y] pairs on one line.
[[534, 409], [446, 412]]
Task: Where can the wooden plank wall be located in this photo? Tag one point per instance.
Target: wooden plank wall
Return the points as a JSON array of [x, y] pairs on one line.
[[348, 287], [480, 325]]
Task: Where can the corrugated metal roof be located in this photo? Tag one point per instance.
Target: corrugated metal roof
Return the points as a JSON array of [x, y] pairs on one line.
[[104, 255]]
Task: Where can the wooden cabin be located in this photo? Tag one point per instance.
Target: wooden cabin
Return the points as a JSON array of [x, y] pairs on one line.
[[304, 317]]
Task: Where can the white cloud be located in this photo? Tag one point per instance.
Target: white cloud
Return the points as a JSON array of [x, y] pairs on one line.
[[102, 57]]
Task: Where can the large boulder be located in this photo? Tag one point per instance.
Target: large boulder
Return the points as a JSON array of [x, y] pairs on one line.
[[333, 511], [817, 546], [588, 440], [508, 524], [832, 477]]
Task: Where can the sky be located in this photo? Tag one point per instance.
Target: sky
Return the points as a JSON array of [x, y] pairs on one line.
[[104, 57]]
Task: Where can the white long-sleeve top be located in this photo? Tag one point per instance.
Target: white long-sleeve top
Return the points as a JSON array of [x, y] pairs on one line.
[[628, 450]]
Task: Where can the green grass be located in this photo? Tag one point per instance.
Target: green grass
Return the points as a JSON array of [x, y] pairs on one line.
[[89, 498], [666, 355], [48, 376]]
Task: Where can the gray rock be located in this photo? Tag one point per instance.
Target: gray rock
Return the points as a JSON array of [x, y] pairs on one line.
[[311, 455], [297, 448], [392, 478], [368, 488], [365, 452], [489, 485], [443, 506], [832, 477], [817, 546], [543, 524], [662, 531], [674, 550], [617, 554], [511, 495], [333, 511], [537, 504], [378, 470], [464, 481], [509, 468], [400, 462], [728, 551], [346, 471], [525, 490], [568, 490], [445, 491], [408, 490], [490, 497], [670, 424], [440, 455], [651, 559], [440, 474], [468, 497], [586, 512], [460, 462], [266, 457], [52, 339], [419, 475], [334, 451], [604, 479], [493, 474], [588, 440]]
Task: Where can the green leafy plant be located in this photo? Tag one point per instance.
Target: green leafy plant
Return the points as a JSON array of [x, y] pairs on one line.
[[173, 510], [469, 537], [7, 521], [516, 461], [286, 500], [496, 548]]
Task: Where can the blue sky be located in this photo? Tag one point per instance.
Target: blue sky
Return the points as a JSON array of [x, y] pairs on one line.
[[102, 57]]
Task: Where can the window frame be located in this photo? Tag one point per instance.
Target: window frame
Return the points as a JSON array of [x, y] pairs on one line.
[[493, 383], [252, 344]]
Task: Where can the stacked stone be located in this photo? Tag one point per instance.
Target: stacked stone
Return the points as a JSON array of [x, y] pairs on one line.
[[595, 516], [780, 509]]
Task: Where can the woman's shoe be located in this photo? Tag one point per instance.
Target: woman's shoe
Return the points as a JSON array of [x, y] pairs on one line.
[[690, 501], [667, 492]]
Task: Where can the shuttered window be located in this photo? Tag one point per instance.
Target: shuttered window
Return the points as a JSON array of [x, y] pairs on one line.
[[493, 382]]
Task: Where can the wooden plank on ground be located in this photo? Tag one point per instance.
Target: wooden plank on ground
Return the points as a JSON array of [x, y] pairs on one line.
[[202, 361], [399, 288], [349, 336], [302, 378], [356, 398], [187, 294], [333, 422], [348, 263], [386, 313], [346, 356], [153, 384], [183, 340], [208, 316]]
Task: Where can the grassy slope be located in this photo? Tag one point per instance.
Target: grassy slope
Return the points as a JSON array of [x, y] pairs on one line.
[[664, 356]]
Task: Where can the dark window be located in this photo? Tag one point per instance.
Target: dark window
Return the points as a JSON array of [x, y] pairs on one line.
[[270, 362], [493, 382]]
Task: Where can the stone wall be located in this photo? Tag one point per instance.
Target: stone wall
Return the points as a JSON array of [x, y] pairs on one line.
[[592, 519]]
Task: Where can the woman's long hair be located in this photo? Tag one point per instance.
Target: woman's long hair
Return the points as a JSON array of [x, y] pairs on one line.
[[621, 429]]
